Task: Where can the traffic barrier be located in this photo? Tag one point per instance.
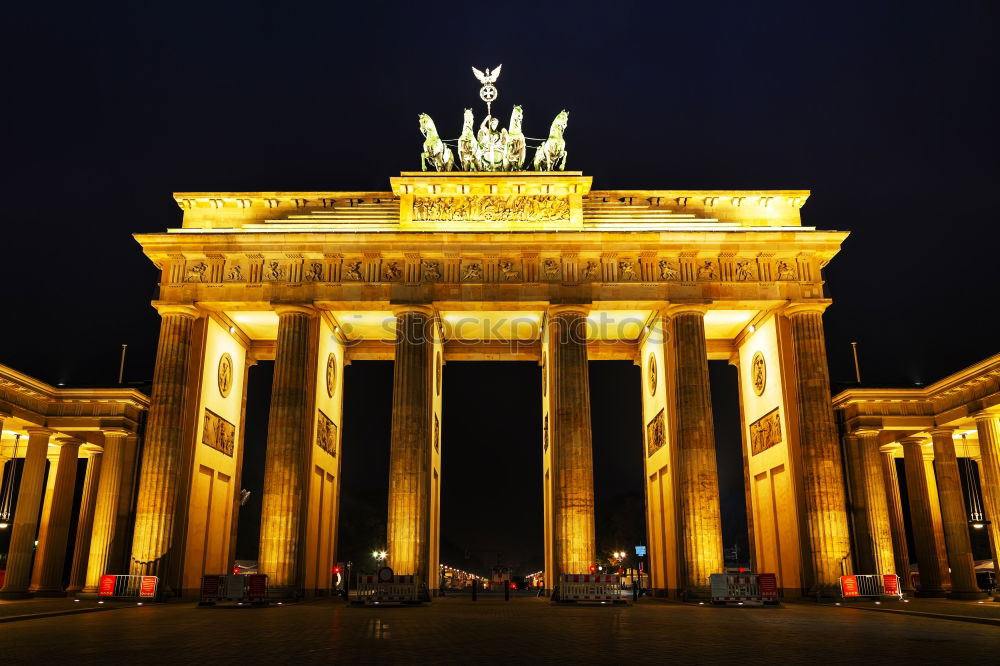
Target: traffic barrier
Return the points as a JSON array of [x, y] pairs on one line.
[[373, 588], [744, 587], [115, 586], [240, 588], [870, 585], [590, 587]]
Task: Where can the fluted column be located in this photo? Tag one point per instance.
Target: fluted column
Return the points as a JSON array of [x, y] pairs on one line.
[[85, 521], [408, 527], [572, 447], [51, 555], [154, 541], [864, 554], [925, 518], [105, 512], [697, 474], [29, 497], [897, 526], [829, 542], [876, 506], [988, 430], [288, 445], [954, 517]]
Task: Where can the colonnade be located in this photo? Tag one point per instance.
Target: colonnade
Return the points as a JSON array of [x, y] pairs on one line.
[[45, 507], [938, 513]]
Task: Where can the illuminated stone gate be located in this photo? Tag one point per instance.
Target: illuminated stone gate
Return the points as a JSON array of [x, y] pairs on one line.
[[491, 266]]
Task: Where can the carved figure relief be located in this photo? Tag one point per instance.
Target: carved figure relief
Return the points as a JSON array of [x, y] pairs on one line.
[[744, 269], [392, 272], [315, 272], [707, 271], [326, 434], [196, 273], [785, 270], [472, 273], [431, 270], [508, 271], [668, 271], [592, 270], [275, 271], [218, 433], [758, 373], [437, 433], [651, 372], [491, 209], [765, 432], [626, 270], [331, 375], [235, 274], [550, 269], [352, 271], [656, 434], [225, 375]]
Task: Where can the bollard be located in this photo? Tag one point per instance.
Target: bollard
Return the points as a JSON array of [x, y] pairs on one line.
[[475, 584]]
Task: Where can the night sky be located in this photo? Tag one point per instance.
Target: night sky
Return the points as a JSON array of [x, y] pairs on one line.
[[884, 110]]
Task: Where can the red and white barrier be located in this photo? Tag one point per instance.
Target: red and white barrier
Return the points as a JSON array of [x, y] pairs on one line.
[[870, 585], [392, 588], [123, 586], [590, 587], [744, 587], [248, 588]]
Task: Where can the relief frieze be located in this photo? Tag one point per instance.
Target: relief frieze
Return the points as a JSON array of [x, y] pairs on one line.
[[326, 434], [656, 434], [218, 433], [491, 209], [765, 432]]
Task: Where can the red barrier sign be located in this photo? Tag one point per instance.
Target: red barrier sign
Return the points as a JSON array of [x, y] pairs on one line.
[[107, 586], [148, 587], [890, 583], [849, 586], [767, 584], [257, 586]]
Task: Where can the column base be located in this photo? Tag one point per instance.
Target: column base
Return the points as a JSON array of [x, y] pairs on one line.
[[931, 594], [284, 594], [14, 594], [87, 594], [48, 593], [967, 596]]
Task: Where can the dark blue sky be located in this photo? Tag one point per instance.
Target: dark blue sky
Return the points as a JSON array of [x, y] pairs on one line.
[[885, 110]]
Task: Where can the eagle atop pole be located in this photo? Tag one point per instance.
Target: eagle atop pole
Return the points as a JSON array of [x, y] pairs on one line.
[[488, 92]]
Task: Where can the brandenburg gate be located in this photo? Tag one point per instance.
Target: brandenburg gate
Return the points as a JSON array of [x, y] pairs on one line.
[[490, 265]]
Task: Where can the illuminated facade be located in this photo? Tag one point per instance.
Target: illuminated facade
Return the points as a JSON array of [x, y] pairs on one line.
[[448, 267]]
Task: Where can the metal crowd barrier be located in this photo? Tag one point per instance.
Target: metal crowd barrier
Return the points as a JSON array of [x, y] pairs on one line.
[[870, 585], [239, 588], [399, 589], [744, 587], [590, 587], [113, 586]]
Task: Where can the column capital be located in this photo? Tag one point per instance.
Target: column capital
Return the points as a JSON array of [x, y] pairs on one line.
[[307, 309], [890, 448], [5, 415], [116, 432], [556, 309], [942, 431], [39, 431], [418, 308], [866, 431], [920, 441], [182, 309], [92, 449], [693, 307], [67, 440], [801, 307], [985, 415]]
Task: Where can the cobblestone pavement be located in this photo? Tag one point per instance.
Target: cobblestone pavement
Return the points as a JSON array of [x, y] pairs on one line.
[[491, 631]]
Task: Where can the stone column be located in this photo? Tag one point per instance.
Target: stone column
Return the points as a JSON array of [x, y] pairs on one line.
[[572, 465], [154, 542], [897, 527], [876, 506], [121, 545], [925, 518], [288, 440], [988, 429], [105, 512], [864, 554], [51, 554], [29, 497], [408, 528], [829, 542], [954, 517], [697, 475], [85, 521]]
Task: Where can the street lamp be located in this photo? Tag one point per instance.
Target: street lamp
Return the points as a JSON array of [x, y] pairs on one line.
[[379, 556]]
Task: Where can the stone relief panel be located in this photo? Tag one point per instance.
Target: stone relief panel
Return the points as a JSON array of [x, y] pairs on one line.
[[509, 271], [225, 375], [651, 373], [545, 434], [392, 271], [765, 432], [668, 270], [274, 271], [656, 434], [628, 270], [430, 270], [331, 375], [353, 271], [218, 433], [744, 269], [326, 434], [551, 269], [758, 373], [437, 433], [313, 271], [472, 271], [708, 270], [491, 209], [196, 271], [786, 270], [590, 270]]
